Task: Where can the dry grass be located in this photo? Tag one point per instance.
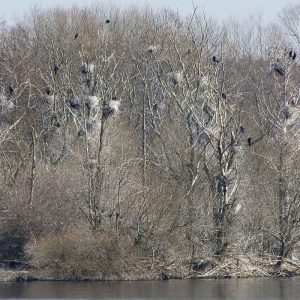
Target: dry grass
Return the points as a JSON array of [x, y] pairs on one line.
[[77, 255]]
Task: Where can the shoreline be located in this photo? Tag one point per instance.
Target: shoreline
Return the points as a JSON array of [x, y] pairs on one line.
[[227, 269]]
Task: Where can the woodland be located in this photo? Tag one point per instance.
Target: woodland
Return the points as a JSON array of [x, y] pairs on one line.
[[142, 144]]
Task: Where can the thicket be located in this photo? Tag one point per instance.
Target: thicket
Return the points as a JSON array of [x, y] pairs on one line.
[[130, 139]]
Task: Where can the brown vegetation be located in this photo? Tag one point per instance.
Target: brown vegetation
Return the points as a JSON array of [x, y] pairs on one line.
[[150, 146]]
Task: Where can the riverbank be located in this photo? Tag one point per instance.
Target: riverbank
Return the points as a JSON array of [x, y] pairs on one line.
[[239, 267]]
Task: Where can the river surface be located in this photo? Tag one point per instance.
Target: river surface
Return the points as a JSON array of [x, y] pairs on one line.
[[239, 289]]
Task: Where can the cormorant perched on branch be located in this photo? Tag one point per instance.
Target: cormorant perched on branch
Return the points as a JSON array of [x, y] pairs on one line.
[[56, 69], [107, 111], [90, 126], [107, 21], [224, 96], [209, 113], [294, 101], [152, 49], [48, 91], [176, 78], [88, 103], [49, 97], [11, 90], [215, 60], [87, 68], [287, 112], [242, 129], [81, 132], [88, 82], [76, 35], [250, 141], [111, 107], [221, 185], [279, 69], [91, 102], [292, 55], [56, 121], [74, 104]]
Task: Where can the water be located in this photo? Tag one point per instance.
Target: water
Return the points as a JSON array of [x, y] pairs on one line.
[[229, 289]]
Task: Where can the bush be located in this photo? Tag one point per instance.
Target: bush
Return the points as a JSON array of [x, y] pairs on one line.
[[13, 237], [84, 255]]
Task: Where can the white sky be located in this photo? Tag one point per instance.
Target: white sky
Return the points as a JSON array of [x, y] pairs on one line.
[[220, 9]]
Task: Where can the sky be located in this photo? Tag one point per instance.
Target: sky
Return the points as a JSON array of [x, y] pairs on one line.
[[10, 10]]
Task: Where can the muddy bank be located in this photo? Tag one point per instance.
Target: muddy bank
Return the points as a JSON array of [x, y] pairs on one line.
[[239, 267]]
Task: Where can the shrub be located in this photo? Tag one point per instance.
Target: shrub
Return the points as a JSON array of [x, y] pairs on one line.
[[13, 237], [84, 255]]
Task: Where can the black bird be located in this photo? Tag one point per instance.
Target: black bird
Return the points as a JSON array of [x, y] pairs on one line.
[[56, 69], [88, 82], [292, 55], [215, 60], [56, 120], [11, 90], [107, 110], [250, 141], [107, 21], [279, 69], [90, 126], [242, 129], [152, 49], [287, 112], [88, 104], [74, 104], [294, 101], [48, 91], [209, 112], [84, 68], [76, 35], [81, 132], [224, 96], [155, 107]]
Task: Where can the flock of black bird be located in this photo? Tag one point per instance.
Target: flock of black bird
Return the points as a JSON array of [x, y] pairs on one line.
[[279, 69], [56, 67]]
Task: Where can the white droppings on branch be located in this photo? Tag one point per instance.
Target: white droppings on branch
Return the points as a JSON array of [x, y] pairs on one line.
[[92, 102], [175, 77], [204, 81], [237, 208], [88, 68], [6, 104], [115, 105]]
